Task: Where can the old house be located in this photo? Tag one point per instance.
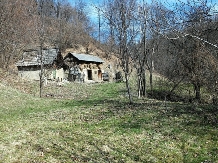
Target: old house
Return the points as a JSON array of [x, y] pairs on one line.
[[29, 67], [84, 67]]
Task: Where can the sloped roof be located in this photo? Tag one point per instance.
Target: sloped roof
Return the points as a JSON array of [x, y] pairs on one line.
[[87, 57], [32, 57]]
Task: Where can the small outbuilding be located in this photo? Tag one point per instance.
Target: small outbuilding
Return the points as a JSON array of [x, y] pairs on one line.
[[84, 67], [29, 67]]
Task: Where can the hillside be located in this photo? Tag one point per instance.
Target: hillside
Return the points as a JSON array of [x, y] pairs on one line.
[[100, 126]]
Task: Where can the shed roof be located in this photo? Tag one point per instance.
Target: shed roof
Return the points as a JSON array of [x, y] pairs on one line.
[[32, 57], [87, 57]]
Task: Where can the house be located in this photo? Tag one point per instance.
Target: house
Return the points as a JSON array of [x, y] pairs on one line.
[[84, 67], [29, 66]]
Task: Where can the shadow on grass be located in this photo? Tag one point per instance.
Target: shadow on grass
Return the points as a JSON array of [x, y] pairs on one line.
[[174, 121], [201, 114], [198, 114], [169, 96]]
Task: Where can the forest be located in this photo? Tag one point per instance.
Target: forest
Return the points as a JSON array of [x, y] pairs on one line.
[[175, 39]]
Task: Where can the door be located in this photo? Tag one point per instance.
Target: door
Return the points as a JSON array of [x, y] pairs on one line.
[[89, 74], [99, 74]]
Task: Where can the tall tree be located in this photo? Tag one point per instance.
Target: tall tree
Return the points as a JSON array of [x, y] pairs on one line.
[[142, 55], [123, 25], [41, 31]]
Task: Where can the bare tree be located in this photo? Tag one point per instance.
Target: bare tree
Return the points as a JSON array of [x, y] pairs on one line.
[[142, 55], [188, 45], [41, 31], [123, 28], [16, 19], [45, 35]]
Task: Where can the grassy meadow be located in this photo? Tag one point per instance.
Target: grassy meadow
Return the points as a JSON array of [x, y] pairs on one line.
[[95, 123]]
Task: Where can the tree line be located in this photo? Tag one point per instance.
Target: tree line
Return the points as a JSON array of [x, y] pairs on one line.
[[178, 40]]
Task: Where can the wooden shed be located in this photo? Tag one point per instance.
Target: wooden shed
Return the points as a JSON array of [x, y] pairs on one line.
[[29, 67]]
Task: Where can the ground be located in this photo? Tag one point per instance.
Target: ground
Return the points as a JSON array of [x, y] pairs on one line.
[[95, 123]]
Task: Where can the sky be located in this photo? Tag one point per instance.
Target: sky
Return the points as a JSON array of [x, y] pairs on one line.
[[92, 12]]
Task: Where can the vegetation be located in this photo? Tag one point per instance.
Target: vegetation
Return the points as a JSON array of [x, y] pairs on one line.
[[174, 119], [105, 128], [30, 24], [177, 39]]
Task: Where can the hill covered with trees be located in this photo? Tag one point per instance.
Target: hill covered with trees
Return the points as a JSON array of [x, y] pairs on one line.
[[175, 39], [26, 24]]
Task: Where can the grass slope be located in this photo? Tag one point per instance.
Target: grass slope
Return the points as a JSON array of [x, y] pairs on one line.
[[100, 126]]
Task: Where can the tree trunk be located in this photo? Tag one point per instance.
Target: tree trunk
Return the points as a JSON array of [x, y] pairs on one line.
[[41, 73], [151, 71], [128, 89], [99, 26], [197, 88], [151, 80], [3, 59], [144, 84], [139, 86]]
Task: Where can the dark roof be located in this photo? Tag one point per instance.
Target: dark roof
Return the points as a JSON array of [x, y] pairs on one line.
[[87, 57], [32, 57]]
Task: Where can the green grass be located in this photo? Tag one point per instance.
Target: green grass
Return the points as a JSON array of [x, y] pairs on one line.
[[95, 123]]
